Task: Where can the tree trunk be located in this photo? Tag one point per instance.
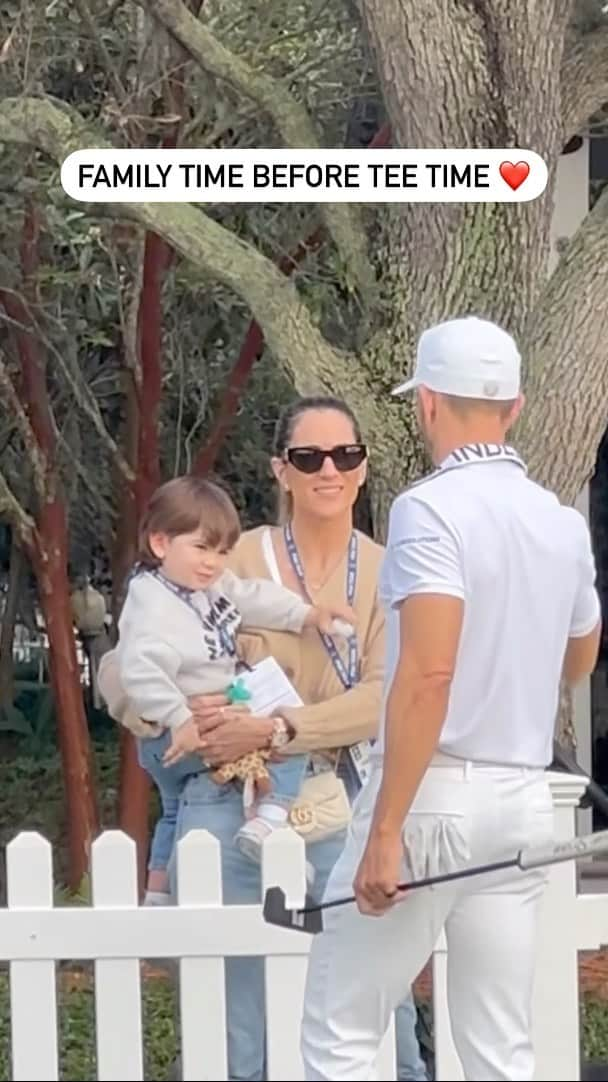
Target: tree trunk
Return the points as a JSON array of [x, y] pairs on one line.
[[458, 75], [250, 351], [124, 546], [50, 564], [48, 551], [9, 619], [134, 783]]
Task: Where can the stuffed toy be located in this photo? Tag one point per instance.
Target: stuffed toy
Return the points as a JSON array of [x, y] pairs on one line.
[[249, 769]]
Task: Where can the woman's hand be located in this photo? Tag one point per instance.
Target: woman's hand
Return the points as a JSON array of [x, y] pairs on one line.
[[234, 734], [208, 708]]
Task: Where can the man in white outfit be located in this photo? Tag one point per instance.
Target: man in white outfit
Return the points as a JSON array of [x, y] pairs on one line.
[[489, 589]]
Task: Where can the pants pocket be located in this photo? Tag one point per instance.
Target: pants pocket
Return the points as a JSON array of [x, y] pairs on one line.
[[437, 830], [540, 817], [435, 845]]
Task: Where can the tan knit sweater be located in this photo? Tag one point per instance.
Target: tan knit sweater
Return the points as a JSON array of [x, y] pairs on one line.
[[332, 717]]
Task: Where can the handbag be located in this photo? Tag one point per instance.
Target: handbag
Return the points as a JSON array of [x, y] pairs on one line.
[[322, 807]]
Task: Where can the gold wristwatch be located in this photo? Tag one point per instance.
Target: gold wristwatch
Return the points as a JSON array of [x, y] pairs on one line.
[[282, 733]]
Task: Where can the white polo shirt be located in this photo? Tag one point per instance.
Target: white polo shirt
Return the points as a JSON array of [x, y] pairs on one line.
[[479, 529]]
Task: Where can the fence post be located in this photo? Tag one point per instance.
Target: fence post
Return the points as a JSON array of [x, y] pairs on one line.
[[29, 865], [556, 998], [283, 865], [117, 981], [201, 980]]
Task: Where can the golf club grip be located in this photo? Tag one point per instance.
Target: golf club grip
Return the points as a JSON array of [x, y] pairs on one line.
[[586, 846], [428, 881]]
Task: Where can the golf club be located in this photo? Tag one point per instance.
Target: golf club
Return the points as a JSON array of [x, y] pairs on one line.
[[310, 918]]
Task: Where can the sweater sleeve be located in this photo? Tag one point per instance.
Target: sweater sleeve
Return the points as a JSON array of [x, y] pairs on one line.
[[351, 715], [265, 604], [148, 667], [113, 694]]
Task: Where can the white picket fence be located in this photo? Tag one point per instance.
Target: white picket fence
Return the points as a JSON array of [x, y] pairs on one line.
[[116, 933]]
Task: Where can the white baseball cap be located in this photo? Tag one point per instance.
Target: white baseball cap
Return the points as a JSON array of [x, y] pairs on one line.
[[469, 358]]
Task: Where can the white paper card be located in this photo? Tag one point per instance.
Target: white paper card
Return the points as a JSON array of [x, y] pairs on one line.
[[269, 688]]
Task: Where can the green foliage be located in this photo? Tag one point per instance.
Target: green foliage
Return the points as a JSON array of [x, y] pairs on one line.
[[76, 1011], [31, 717], [32, 797], [594, 1018], [62, 896], [89, 273]]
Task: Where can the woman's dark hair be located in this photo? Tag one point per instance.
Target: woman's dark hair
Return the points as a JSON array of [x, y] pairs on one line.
[[291, 414], [284, 431]]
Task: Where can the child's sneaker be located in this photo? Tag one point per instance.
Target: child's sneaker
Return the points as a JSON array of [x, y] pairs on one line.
[[250, 838], [252, 835], [156, 897]]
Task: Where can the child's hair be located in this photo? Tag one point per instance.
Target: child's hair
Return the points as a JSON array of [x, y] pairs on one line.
[[184, 505]]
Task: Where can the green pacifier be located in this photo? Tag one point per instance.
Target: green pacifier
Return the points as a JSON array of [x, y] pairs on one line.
[[237, 692]]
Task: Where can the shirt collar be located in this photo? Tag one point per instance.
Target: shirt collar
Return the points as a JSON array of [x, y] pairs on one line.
[[470, 454]]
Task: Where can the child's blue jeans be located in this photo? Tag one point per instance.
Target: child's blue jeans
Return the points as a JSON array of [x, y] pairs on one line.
[[285, 781], [169, 781]]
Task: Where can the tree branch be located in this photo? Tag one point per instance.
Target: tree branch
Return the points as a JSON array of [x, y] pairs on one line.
[[584, 79], [567, 362], [289, 116], [83, 395], [91, 24], [30, 443], [13, 512], [89, 406], [272, 298]]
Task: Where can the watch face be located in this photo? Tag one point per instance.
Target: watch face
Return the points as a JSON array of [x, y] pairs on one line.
[[280, 735]]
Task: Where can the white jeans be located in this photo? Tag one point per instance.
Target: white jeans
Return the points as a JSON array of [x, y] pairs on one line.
[[360, 967]]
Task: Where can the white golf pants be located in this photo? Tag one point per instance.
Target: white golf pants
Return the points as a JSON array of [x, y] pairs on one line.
[[361, 967]]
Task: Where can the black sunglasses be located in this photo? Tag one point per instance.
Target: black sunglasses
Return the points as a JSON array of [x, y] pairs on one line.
[[345, 457]]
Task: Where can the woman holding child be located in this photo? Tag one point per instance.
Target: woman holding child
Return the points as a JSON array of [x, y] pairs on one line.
[[328, 568]]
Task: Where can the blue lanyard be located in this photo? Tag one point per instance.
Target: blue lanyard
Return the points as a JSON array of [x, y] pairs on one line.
[[184, 594], [351, 676]]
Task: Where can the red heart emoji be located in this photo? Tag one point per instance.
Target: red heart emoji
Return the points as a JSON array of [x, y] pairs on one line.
[[514, 175]]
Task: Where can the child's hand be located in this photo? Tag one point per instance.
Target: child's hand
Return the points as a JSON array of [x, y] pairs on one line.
[[184, 741], [335, 620]]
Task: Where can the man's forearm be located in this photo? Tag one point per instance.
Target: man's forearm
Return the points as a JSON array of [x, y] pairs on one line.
[[414, 721]]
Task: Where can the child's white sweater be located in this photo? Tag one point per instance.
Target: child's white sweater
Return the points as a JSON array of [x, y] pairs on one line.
[[170, 648]]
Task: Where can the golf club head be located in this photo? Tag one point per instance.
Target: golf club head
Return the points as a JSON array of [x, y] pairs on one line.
[[276, 912]]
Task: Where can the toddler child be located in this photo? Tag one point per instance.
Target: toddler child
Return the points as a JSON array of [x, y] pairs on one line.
[[177, 638]]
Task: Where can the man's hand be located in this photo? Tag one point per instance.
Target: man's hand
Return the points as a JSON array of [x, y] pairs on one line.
[[379, 874]]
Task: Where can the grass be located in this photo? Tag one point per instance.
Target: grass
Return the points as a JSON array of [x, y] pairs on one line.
[[76, 1017], [76, 1020]]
